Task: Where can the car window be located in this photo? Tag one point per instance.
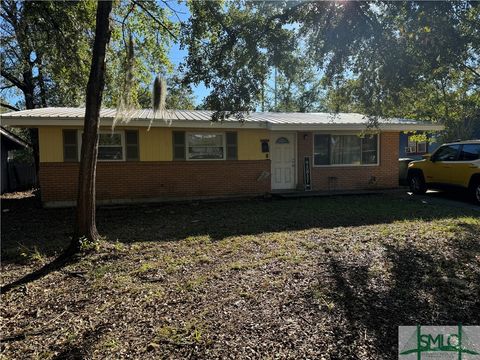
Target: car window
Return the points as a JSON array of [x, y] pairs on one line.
[[470, 152], [446, 153]]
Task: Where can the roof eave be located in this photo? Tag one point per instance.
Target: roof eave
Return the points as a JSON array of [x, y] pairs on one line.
[[197, 124], [355, 127]]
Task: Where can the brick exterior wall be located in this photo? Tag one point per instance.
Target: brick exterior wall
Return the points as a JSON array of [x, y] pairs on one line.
[[196, 179], [157, 180], [385, 175]]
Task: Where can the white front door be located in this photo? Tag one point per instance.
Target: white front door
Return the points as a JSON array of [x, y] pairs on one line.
[[282, 154]]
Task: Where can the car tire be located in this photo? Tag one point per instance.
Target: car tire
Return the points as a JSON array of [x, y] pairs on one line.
[[475, 191], [417, 184]]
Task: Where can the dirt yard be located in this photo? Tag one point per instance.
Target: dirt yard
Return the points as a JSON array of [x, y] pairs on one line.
[[323, 278]]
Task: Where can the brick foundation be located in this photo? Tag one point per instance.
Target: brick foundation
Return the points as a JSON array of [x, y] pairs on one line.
[[157, 180], [334, 178]]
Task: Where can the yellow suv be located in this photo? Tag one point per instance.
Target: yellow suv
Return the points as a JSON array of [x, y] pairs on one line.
[[453, 165]]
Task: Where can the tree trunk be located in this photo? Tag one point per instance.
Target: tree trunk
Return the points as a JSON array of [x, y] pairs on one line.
[[85, 226], [28, 93]]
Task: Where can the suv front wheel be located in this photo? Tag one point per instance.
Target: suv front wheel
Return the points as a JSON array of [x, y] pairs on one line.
[[417, 184]]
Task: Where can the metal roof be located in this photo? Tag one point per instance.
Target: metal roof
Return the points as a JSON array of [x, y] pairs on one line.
[[200, 118]]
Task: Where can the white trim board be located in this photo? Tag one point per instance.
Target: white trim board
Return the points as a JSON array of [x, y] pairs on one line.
[[229, 124]]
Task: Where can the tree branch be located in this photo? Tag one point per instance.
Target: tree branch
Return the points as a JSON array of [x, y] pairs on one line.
[[229, 32], [5, 105], [176, 12], [13, 79], [469, 68], [155, 19]]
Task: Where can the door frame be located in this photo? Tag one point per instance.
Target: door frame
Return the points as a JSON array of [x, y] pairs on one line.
[[276, 134]]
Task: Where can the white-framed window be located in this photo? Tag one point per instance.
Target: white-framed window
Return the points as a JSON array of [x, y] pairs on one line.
[[111, 145], [422, 147], [205, 146], [345, 150], [416, 147]]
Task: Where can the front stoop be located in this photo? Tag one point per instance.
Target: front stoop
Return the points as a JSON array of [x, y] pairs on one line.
[[289, 194]]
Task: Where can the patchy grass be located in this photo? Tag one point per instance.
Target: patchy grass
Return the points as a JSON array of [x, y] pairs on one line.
[[306, 278]]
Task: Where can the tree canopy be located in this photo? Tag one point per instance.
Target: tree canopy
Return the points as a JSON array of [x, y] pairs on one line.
[[374, 57], [47, 51], [415, 59]]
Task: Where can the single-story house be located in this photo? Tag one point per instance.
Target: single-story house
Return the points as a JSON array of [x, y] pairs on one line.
[[188, 156]]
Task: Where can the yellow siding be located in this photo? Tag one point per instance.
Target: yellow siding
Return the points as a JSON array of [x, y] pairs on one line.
[[51, 144], [249, 145], [155, 144]]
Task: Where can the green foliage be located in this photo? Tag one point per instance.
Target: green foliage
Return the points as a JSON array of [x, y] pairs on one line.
[[32, 255], [152, 42], [415, 59], [47, 48], [232, 47], [297, 87], [23, 155]]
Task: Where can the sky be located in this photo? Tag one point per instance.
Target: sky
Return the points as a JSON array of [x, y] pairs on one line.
[[177, 55]]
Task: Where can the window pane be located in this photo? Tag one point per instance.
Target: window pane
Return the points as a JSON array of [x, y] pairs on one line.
[[470, 152], [345, 149], [411, 143], [321, 150], [110, 139], [282, 140], [179, 145], [422, 147], [205, 146], [70, 145], [110, 153], [205, 140], [201, 152], [446, 153], [369, 149]]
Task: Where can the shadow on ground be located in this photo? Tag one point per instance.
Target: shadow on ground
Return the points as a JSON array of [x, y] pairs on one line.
[[27, 228], [427, 288], [453, 197], [338, 293]]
